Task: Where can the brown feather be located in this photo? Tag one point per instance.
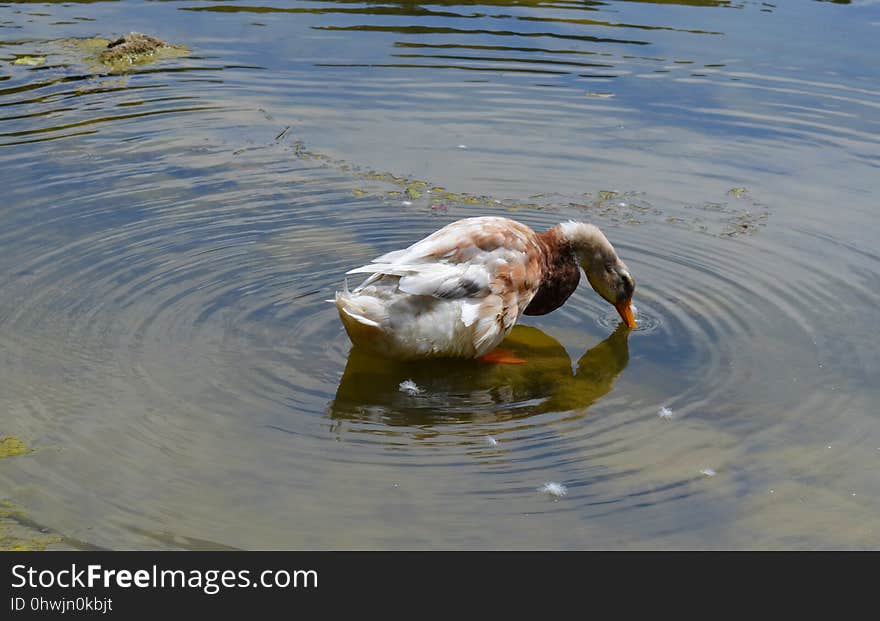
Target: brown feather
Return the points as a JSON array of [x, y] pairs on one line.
[[560, 274]]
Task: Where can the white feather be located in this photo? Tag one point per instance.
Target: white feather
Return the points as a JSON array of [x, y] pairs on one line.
[[361, 318], [410, 388], [470, 312], [554, 489]]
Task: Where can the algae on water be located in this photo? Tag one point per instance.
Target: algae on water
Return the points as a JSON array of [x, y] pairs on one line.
[[10, 446], [133, 49], [18, 534], [30, 61], [120, 55], [623, 207]]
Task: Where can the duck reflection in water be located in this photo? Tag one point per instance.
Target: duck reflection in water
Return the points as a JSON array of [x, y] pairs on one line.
[[469, 390]]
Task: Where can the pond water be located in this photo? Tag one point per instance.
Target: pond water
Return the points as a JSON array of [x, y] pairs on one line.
[[171, 231]]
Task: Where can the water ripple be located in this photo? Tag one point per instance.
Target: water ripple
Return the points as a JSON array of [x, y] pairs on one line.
[[167, 347]]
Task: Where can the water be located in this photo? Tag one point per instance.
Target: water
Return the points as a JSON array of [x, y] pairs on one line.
[[170, 235]]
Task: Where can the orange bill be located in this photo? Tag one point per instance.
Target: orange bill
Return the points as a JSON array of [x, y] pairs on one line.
[[624, 307]]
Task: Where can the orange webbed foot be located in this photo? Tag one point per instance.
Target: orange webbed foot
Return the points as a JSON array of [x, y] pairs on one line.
[[501, 356]]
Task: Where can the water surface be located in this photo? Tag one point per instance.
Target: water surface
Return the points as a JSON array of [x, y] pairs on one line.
[[171, 232]]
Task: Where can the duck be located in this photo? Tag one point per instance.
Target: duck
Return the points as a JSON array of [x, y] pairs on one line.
[[458, 292]]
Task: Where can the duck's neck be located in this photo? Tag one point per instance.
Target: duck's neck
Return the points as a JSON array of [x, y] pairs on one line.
[[586, 241], [560, 269]]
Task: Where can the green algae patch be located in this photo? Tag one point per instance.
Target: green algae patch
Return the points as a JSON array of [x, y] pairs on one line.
[[17, 535], [30, 61], [136, 48], [10, 446], [418, 186], [120, 55], [13, 542], [380, 176]]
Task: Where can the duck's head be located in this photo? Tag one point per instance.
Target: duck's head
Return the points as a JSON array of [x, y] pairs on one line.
[[608, 275]]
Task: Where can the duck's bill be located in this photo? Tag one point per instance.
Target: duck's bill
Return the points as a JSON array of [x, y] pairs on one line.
[[626, 313]]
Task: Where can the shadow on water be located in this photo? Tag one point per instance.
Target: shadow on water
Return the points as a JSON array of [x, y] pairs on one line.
[[457, 391]]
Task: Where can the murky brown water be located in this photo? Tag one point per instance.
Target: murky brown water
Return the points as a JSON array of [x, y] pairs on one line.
[[170, 234]]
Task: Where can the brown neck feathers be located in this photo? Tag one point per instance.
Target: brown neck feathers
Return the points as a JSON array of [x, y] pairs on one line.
[[561, 274]]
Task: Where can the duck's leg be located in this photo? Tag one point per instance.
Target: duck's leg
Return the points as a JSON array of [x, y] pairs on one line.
[[501, 356]]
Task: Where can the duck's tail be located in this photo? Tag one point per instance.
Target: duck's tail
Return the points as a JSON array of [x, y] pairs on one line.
[[363, 317]]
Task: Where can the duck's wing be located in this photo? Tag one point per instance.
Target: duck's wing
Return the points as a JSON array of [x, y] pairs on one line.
[[474, 257]]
